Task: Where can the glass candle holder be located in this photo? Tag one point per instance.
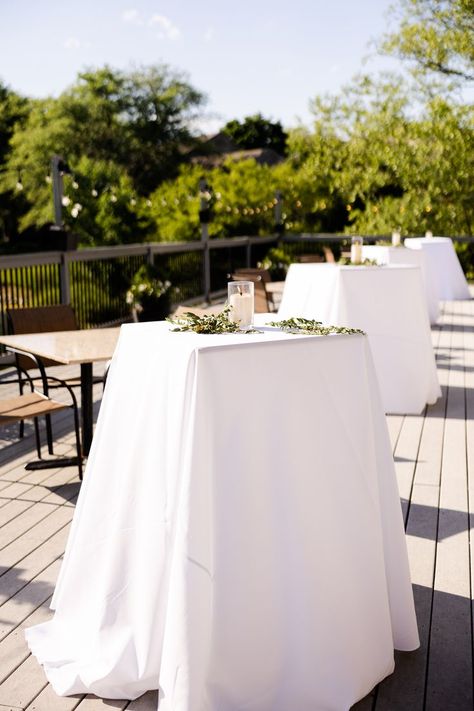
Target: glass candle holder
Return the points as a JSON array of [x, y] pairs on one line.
[[396, 237], [356, 250], [429, 234], [240, 296]]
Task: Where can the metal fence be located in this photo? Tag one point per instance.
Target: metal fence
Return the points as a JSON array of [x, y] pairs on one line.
[[95, 281]]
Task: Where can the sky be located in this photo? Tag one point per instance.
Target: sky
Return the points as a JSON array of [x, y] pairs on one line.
[[261, 56]]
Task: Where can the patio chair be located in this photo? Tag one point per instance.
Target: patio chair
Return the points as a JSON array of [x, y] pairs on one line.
[[43, 319], [262, 303], [33, 405]]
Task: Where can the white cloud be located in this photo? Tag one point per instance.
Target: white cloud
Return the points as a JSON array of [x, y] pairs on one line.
[[169, 30], [209, 34], [132, 16], [72, 43]]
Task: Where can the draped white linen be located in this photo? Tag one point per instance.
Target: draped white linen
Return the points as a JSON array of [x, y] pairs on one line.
[[238, 540], [442, 266], [384, 254], [389, 305]]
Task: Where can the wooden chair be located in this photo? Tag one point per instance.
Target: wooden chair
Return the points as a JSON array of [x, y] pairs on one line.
[[35, 404], [43, 319], [262, 302], [310, 258]]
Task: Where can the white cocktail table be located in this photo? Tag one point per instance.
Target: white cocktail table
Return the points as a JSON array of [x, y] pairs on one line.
[[238, 539]]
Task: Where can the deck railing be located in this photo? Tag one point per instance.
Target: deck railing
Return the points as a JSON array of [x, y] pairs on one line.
[[95, 280]]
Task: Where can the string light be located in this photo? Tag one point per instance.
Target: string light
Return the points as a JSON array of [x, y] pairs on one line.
[[94, 192]]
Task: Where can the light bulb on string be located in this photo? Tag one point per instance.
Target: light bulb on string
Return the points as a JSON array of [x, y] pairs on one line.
[[94, 192], [19, 184]]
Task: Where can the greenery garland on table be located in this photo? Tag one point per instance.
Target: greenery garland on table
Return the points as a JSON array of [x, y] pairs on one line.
[[346, 262], [310, 327], [209, 323], [220, 323]]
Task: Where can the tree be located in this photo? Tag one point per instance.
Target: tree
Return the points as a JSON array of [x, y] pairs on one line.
[[390, 168], [138, 119], [437, 35], [257, 132], [120, 133], [13, 112]]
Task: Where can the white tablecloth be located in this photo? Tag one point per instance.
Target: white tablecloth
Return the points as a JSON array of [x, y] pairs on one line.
[[442, 266], [384, 254], [388, 304], [238, 539]]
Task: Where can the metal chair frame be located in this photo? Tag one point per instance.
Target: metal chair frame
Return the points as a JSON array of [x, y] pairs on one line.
[[45, 379]]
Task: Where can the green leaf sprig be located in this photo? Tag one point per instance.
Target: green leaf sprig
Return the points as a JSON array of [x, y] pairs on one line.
[[346, 262], [209, 323], [310, 327]]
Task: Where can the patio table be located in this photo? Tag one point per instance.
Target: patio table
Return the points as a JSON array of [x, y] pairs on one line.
[[442, 266], [83, 347], [386, 302], [385, 254], [240, 521]]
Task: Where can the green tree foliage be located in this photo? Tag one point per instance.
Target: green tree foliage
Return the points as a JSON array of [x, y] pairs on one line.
[[257, 132], [13, 112], [241, 198], [117, 131], [436, 35], [393, 169]]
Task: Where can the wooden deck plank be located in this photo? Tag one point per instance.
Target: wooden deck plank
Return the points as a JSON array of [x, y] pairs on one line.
[[18, 549], [24, 684], [405, 689], [451, 599], [24, 522], [92, 703], [147, 702], [33, 564], [13, 648], [48, 700], [21, 605], [11, 511]]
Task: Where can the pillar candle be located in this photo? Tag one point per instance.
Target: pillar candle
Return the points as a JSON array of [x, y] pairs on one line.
[[241, 309]]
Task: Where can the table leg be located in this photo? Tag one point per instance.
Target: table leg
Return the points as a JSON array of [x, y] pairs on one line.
[[87, 405]]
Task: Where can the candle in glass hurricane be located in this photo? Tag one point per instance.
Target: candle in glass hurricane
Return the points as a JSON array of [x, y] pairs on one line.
[[428, 234], [241, 302], [356, 250], [396, 238]]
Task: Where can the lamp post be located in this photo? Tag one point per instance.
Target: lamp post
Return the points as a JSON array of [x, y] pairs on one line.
[[58, 169]]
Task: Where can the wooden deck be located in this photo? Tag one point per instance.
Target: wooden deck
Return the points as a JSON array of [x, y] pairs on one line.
[[434, 456]]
